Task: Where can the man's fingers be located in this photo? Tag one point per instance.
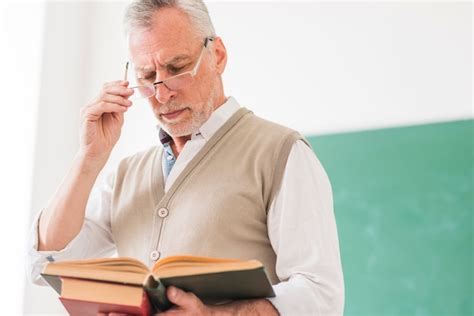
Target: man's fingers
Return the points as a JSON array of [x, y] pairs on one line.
[[116, 99], [180, 297], [112, 99], [117, 89], [96, 110], [115, 83]]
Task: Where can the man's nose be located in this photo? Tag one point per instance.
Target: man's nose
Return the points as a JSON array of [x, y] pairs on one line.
[[163, 94]]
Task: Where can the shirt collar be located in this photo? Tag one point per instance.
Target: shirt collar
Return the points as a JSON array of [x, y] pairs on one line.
[[164, 137], [210, 127]]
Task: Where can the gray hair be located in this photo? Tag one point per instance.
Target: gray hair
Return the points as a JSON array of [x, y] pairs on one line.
[[139, 14]]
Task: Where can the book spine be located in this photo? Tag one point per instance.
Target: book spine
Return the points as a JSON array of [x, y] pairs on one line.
[[158, 298]]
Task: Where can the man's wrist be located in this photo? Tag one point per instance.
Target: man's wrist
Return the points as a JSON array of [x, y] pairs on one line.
[[245, 307], [87, 165]]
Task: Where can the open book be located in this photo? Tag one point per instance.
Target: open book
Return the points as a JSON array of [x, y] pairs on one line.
[[211, 279]]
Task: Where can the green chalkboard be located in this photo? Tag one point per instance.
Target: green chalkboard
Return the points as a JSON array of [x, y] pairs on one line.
[[403, 200]]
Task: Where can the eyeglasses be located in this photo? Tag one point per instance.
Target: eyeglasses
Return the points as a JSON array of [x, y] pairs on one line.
[[177, 82]]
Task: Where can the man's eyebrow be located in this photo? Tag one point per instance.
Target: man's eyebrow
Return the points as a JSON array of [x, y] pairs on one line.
[[176, 59], [146, 69]]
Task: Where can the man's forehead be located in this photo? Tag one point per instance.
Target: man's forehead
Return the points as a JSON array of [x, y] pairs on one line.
[[170, 39], [149, 62], [150, 51]]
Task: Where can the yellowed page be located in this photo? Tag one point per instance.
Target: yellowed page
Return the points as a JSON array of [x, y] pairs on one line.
[[190, 259], [96, 291], [121, 270], [193, 266], [97, 274]]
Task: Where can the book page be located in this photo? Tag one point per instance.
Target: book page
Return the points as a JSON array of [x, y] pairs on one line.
[[191, 265], [123, 270]]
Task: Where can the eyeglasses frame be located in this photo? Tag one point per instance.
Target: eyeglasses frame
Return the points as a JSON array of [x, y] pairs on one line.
[[193, 72]]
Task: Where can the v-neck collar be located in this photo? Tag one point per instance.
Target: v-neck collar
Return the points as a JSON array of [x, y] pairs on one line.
[[162, 197]]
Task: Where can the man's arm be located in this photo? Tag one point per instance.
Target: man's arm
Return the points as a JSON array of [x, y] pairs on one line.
[[62, 220], [303, 232], [73, 218], [101, 123], [96, 228], [246, 307]]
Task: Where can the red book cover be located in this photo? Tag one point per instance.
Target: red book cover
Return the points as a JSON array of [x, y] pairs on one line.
[[89, 308]]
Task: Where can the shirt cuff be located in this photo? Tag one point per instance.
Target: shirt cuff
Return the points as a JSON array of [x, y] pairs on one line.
[[300, 296], [38, 259]]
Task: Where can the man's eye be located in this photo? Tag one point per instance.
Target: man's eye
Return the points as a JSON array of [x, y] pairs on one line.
[[146, 79], [175, 70]]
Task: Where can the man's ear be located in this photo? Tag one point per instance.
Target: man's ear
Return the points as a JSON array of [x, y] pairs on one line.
[[220, 52]]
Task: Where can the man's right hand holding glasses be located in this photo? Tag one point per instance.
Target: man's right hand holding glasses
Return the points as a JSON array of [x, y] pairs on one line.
[[102, 121]]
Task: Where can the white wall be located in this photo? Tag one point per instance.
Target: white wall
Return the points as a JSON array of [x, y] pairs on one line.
[[317, 67], [325, 67], [20, 59], [63, 76]]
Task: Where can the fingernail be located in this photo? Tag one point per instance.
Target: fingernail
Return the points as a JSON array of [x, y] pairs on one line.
[[172, 292]]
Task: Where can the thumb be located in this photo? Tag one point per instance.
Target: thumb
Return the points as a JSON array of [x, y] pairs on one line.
[[179, 297]]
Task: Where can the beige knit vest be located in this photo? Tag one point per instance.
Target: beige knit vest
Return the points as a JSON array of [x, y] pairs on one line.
[[218, 204]]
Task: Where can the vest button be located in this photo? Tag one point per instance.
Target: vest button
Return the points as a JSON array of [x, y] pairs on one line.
[[163, 212], [155, 255]]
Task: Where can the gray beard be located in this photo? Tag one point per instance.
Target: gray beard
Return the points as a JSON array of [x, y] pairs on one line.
[[197, 120]]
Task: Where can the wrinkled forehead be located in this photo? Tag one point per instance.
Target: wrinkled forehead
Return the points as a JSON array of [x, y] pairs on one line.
[[170, 37], [148, 51]]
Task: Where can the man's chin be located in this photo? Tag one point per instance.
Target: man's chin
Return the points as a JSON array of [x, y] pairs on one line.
[[177, 130]]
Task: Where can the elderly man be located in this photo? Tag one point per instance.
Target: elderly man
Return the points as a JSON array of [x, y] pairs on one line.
[[222, 182]]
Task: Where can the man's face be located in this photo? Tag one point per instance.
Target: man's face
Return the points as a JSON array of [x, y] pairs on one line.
[[171, 47]]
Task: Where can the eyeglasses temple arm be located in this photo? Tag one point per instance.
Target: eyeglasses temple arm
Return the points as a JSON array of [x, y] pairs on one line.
[[126, 71]]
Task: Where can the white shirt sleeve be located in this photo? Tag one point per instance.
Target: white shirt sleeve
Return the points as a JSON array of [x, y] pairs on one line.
[[303, 233], [94, 240]]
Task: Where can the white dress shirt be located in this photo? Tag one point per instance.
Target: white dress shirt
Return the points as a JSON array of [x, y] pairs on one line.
[[301, 227]]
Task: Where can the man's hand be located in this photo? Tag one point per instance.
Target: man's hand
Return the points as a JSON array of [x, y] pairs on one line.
[[186, 303], [102, 120]]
